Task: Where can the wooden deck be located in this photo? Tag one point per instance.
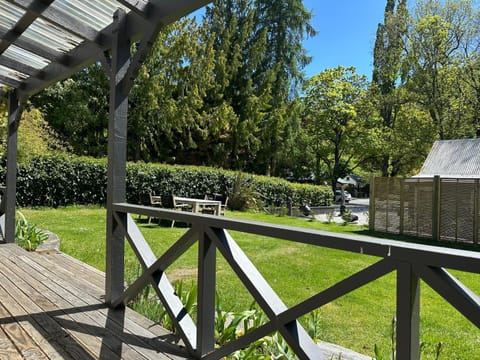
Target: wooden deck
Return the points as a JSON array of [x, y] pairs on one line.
[[51, 307]]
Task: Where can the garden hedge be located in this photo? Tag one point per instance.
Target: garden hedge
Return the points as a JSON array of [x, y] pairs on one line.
[[61, 180]]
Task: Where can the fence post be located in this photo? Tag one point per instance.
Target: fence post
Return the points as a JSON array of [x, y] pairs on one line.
[[371, 205], [117, 159], [475, 210], [436, 208], [402, 205], [14, 114], [206, 295], [408, 313]]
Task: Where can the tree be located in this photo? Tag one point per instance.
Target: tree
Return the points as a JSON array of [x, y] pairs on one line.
[[340, 120], [77, 109], [239, 49], [287, 23], [437, 36], [387, 63], [167, 120]]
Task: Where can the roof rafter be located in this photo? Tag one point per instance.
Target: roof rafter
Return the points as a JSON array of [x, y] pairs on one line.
[[9, 81], [23, 23], [23, 68], [61, 19], [138, 6], [144, 19], [51, 55]]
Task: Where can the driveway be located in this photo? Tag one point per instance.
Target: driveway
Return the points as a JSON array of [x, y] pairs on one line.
[[357, 206]]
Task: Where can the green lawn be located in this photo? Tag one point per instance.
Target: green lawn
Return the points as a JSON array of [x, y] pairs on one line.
[[296, 271]]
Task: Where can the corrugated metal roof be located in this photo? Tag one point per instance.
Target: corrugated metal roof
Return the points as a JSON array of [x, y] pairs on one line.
[[44, 41], [453, 158]]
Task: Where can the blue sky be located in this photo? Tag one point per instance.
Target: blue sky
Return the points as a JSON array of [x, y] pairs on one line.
[[346, 34]]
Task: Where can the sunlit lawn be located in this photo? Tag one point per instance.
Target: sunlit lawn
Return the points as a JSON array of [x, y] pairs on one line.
[[295, 271]]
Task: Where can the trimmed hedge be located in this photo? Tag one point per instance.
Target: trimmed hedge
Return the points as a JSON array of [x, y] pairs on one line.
[[59, 181]]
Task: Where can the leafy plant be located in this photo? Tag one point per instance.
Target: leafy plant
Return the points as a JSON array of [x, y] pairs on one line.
[[64, 180], [242, 194], [27, 235], [379, 355], [149, 305], [347, 216]]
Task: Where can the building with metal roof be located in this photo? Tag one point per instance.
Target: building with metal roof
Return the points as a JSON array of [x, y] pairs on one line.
[[453, 159]]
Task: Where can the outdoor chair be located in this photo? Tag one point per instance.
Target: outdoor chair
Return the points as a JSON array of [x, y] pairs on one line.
[[156, 202], [217, 197], [168, 202]]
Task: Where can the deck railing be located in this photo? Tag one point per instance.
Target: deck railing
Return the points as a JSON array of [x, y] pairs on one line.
[[411, 262]]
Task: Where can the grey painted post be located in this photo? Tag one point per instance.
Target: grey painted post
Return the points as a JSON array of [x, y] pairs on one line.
[[206, 295], [117, 156], [408, 313], [402, 205], [14, 114]]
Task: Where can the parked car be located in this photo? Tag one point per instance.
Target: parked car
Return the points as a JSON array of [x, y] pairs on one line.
[[346, 194]]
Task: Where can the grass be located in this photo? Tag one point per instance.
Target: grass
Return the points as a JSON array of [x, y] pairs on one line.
[[295, 271]]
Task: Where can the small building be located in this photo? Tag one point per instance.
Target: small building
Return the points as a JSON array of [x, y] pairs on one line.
[[453, 159], [441, 202]]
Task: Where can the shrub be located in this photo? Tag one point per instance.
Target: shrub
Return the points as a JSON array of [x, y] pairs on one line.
[[27, 235], [63, 180]]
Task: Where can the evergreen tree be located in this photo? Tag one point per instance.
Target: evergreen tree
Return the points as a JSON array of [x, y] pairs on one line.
[[387, 62], [239, 49], [287, 23]]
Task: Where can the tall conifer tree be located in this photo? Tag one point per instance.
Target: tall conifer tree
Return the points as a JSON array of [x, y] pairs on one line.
[[287, 23], [387, 61]]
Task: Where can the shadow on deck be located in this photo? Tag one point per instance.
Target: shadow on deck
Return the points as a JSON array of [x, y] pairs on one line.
[[52, 307]]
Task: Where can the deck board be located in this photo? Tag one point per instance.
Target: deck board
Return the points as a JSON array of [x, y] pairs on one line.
[[52, 307]]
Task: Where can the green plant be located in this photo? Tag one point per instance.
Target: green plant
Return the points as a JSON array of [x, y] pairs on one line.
[[65, 180], [27, 235], [148, 304], [314, 328], [330, 216], [347, 216], [242, 195], [393, 354]]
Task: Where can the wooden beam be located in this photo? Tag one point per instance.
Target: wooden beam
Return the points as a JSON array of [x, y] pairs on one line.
[[293, 333], [206, 295], [408, 313], [9, 81], [117, 152], [19, 66], [143, 22], [24, 43], [60, 19], [140, 7], [14, 114], [23, 23]]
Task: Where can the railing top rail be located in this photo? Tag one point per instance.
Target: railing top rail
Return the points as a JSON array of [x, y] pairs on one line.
[[464, 260]]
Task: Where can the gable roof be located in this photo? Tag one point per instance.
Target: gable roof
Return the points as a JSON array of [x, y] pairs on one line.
[[453, 158], [45, 41]]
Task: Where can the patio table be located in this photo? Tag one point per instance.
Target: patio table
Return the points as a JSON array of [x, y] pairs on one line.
[[198, 204]]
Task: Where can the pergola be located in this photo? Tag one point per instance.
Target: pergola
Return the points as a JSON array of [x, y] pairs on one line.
[[46, 41]]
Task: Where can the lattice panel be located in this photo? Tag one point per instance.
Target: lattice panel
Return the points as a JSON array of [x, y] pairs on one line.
[[393, 205], [381, 201], [407, 206], [424, 196], [448, 210], [465, 209], [410, 207]]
